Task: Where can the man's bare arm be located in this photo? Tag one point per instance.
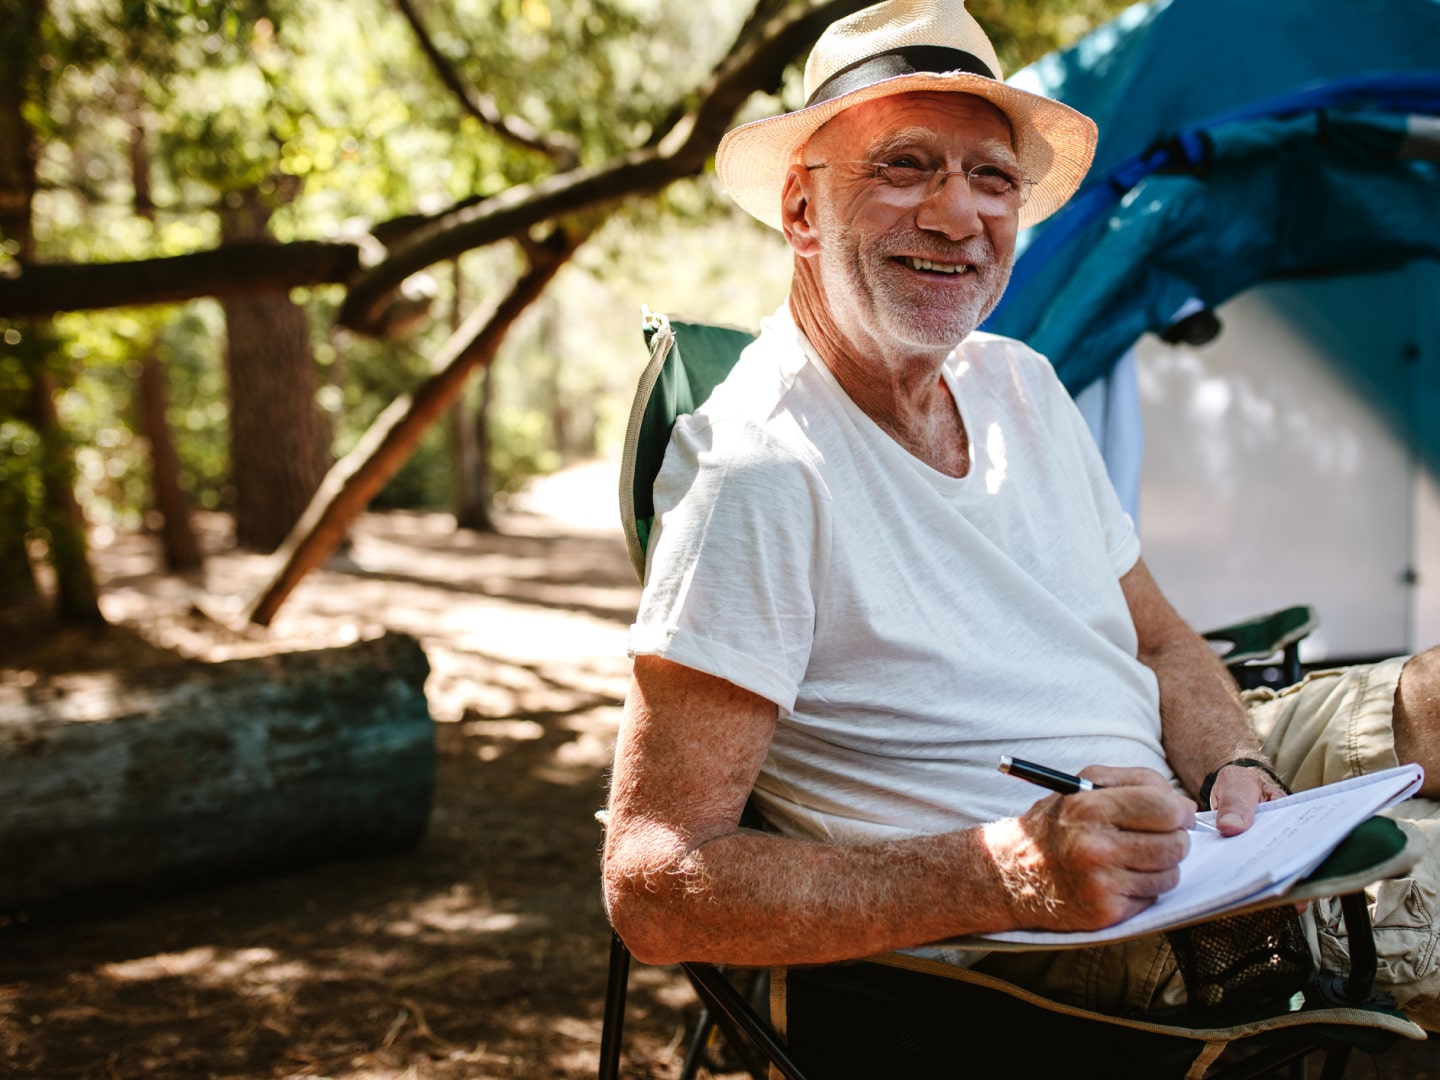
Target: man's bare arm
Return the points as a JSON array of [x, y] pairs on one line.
[[1203, 723], [682, 881]]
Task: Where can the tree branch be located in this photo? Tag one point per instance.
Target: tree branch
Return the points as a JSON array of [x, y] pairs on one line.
[[561, 149], [757, 62], [764, 46], [354, 480], [223, 272]]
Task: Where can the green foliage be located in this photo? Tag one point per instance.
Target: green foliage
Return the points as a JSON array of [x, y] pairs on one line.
[[425, 481], [328, 109], [187, 344]]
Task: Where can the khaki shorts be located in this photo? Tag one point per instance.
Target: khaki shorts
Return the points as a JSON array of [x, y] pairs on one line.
[[1330, 726]]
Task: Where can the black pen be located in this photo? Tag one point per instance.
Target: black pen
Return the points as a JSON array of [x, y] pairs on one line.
[[1064, 783], [1045, 776]]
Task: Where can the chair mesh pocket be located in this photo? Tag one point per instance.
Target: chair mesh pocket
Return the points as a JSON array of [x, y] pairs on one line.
[[1244, 960]]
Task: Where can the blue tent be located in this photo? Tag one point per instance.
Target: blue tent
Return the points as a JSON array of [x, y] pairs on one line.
[[1241, 142]]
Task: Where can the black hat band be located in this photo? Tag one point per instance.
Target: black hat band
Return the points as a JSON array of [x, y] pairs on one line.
[[903, 61]]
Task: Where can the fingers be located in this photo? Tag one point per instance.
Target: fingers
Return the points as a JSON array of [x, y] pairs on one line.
[[1097, 857], [1139, 836], [1099, 896], [1102, 901], [1149, 852], [1112, 776], [1135, 799], [1236, 793]]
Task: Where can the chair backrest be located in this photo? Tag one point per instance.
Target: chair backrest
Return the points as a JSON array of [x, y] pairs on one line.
[[687, 361]]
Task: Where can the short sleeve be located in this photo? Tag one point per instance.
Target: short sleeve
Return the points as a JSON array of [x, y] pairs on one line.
[[733, 564]]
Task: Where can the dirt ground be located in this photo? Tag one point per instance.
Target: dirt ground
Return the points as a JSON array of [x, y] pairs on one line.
[[481, 953]]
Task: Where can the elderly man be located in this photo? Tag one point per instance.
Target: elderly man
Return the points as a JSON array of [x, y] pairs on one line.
[[887, 553]]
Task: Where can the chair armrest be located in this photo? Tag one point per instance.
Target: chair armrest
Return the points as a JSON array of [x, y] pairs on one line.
[[1264, 635]]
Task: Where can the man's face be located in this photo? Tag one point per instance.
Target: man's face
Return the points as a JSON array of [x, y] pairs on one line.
[[916, 266]]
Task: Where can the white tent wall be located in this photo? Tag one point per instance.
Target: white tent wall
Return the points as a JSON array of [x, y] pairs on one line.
[[1269, 479], [1426, 614]]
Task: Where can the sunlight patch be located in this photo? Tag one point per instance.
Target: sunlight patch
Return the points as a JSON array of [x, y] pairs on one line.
[[160, 966], [587, 751], [999, 464], [517, 730], [212, 965], [457, 911]]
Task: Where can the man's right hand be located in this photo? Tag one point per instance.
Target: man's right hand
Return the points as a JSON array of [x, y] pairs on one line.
[[1090, 860]]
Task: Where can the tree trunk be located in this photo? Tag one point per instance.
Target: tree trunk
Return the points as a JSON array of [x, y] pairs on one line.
[[19, 48], [19, 594], [182, 552], [468, 461], [76, 599], [469, 444], [353, 482], [278, 451], [52, 463], [471, 431], [194, 772]]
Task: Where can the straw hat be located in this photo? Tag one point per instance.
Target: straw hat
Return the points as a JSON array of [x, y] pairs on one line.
[[900, 47]]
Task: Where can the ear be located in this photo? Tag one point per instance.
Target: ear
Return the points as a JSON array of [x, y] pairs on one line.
[[797, 217]]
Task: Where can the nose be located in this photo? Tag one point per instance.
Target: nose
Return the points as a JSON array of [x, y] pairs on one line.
[[951, 209]]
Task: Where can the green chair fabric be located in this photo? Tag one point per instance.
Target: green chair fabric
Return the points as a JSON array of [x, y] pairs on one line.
[[673, 383], [1261, 637], [687, 361]]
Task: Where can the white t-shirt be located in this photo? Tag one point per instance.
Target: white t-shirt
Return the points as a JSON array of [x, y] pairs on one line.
[[911, 626]]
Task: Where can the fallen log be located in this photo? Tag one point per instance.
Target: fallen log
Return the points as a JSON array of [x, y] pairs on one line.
[[128, 782]]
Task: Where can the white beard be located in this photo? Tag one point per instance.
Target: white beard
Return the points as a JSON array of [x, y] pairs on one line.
[[890, 300]]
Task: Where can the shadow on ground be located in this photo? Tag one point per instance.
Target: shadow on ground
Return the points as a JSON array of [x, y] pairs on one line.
[[480, 953]]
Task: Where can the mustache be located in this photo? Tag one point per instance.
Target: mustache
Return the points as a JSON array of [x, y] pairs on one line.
[[964, 254], [903, 242]]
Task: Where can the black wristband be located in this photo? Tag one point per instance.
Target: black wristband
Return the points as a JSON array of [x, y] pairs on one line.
[[1246, 762]]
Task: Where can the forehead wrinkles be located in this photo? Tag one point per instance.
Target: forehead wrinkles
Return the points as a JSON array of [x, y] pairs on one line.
[[996, 151]]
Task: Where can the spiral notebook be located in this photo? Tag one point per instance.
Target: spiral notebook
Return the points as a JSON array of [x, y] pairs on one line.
[[1290, 838]]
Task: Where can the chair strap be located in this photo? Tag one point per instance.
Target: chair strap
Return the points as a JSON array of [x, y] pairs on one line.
[[1382, 1019], [662, 340]]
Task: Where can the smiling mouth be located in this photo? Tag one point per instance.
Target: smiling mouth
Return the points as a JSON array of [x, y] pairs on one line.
[[937, 267]]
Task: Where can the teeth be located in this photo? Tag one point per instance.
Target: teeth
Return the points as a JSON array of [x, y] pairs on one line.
[[944, 268]]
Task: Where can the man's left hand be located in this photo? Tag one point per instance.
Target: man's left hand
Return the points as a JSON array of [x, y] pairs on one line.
[[1238, 790]]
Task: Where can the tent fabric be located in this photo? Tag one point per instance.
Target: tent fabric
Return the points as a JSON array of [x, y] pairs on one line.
[[1241, 141], [1276, 200]]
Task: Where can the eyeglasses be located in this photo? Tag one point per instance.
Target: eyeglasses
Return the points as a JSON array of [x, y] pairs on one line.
[[994, 190]]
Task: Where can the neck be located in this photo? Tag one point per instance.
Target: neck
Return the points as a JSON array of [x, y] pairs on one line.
[[898, 387]]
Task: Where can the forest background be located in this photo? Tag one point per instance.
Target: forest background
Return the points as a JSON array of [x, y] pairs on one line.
[[265, 264], [239, 241]]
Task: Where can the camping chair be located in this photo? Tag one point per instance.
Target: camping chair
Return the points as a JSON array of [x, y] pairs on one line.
[[675, 383], [1251, 648]]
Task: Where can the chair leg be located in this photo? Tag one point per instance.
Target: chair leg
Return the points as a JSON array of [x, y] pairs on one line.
[[746, 1048], [616, 989], [1293, 669], [730, 1005], [1360, 938], [695, 1056], [705, 1027]]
